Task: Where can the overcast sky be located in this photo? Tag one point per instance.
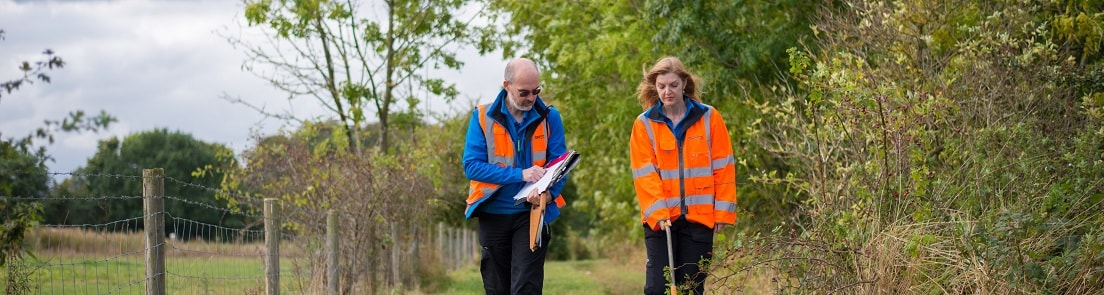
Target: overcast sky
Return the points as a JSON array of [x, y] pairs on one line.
[[157, 64]]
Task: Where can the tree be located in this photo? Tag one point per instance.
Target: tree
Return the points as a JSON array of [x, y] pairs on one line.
[[23, 169], [178, 153], [591, 53], [733, 44], [594, 52], [22, 175], [380, 200], [353, 63]]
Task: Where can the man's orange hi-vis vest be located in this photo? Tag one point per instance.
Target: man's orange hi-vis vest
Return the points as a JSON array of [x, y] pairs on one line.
[[500, 151], [696, 180]]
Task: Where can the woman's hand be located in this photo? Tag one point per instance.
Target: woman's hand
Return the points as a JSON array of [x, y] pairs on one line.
[[717, 228]]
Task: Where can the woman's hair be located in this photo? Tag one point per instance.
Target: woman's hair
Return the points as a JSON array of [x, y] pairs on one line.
[[646, 91]]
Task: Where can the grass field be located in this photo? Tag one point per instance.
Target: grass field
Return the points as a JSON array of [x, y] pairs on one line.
[[190, 275], [228, 275], [78, 262], [562, 277]]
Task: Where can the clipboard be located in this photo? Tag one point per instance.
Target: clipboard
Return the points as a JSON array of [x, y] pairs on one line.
[[560, 167]]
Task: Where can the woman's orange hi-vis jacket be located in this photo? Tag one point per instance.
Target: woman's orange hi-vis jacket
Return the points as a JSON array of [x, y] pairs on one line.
[[685, 171]]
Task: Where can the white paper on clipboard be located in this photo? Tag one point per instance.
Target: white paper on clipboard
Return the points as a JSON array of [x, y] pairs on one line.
[[560, 167]]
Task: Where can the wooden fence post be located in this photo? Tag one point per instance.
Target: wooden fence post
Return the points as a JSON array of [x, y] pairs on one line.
[[272, 247], [457, 247], [395, 245], [466, 250], [331, 252], [153, 203], [441, 252]]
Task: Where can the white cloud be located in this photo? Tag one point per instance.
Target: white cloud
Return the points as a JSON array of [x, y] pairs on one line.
[[157, 64]]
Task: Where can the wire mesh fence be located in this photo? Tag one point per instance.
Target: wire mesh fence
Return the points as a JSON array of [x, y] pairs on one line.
[[207, 247]]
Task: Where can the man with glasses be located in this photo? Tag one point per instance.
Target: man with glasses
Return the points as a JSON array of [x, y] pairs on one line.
[[508, 144]]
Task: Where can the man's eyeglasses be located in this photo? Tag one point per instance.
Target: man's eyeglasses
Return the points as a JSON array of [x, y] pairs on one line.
[[523, 93]]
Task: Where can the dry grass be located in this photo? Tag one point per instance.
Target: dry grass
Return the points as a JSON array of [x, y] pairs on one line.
[[73, 242]]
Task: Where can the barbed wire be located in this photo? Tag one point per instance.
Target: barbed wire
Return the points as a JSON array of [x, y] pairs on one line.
[[169, 179], [83, 174], [101, 225], [213, 207], [67, 198], [249, 200]]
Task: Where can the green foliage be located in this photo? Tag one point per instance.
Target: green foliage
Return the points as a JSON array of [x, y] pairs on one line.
[[37, 72], [594, 49], [731, 41], [593, 54], [1079, 23], [912, 143], [22, 175]]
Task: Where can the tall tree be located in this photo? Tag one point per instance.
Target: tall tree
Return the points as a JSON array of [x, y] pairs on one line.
[[353, 62]]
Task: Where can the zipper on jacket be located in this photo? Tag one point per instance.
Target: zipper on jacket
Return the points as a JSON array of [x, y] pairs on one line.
[[682, 185]]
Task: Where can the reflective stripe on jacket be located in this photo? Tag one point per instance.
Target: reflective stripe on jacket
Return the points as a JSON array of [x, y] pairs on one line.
[[692, 175], [500, 151]]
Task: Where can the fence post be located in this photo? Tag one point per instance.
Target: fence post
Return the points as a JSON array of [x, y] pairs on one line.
[[153, 203], [272, 247], [456, 248], [331, 252], [467, 248], [395, 245], [441, 245]]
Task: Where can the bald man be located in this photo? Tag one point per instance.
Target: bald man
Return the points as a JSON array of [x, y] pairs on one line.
[[509, 141]]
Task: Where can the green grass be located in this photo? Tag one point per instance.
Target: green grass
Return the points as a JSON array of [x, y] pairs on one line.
[[190, 275], [80, 262], [562, 277], [244, 275]]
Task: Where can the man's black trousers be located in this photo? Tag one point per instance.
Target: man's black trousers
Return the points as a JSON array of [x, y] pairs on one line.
[[507, 265]]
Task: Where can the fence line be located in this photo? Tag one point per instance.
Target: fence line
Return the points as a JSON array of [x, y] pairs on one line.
[[206, 258]]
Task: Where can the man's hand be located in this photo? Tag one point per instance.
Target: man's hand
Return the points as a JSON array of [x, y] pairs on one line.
[[532, 174], [717, 228], [535, 198]]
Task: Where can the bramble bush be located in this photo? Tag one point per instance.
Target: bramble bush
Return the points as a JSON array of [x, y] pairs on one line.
[[950, 147]]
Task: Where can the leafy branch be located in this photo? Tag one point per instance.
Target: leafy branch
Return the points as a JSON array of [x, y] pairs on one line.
[[32, 73]]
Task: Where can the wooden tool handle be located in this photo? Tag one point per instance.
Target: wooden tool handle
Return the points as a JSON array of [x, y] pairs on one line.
[[536, 221]]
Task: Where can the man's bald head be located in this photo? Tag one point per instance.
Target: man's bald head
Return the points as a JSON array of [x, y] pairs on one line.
[[519, 66]]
